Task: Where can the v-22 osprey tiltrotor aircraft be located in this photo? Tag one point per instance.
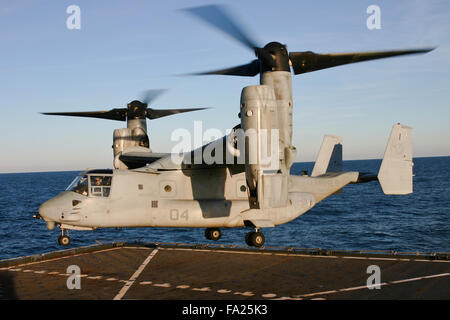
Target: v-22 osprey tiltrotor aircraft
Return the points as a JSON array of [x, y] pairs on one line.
[[147, 189]]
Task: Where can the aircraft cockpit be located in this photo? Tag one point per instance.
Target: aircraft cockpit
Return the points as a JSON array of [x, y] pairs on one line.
[[92, 183]]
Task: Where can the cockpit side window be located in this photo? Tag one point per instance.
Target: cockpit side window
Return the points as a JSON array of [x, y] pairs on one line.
[[100, 185]]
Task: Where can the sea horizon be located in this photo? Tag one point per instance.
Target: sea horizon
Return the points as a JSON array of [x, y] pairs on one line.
[[73, 170]]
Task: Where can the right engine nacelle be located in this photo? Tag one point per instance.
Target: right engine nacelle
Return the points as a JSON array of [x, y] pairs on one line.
[[263, 151]]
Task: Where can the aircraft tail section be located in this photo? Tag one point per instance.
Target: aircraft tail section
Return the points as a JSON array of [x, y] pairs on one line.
[[329, 158], [395, 175]]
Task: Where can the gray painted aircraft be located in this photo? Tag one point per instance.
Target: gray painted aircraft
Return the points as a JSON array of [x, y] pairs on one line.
[[248, 182]]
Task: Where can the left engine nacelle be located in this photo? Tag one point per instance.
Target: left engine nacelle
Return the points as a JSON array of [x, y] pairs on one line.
[[126, 138]]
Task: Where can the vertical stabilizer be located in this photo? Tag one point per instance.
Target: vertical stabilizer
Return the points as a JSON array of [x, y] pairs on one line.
[[395, 173], [329, 158]]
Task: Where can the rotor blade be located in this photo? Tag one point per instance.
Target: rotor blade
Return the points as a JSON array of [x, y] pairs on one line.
[[218, 17], [159, 113], [150, 95], [247, 70], [114, 114], [308, 61]]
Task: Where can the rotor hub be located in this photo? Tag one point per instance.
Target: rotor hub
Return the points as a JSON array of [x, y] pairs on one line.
[[137, 110], [273, 57]]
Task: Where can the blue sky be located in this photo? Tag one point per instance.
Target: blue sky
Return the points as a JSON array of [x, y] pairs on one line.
[[126, 47]]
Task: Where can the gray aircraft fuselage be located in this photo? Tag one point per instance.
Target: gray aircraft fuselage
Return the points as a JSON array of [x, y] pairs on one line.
[[180, 198]]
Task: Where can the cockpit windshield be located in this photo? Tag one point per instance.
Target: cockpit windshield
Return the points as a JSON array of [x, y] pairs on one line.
[[79, 185]]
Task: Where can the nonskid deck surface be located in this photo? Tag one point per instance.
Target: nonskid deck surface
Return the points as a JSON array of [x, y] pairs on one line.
[[176, 271]]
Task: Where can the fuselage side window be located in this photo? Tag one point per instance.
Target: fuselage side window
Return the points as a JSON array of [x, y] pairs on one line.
[[100, 186]]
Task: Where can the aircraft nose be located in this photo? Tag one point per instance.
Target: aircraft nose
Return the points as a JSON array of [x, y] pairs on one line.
[[47, 212], [43, 210]]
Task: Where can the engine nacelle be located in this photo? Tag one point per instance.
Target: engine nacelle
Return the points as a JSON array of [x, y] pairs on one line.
[[126, 138], [263, 151]]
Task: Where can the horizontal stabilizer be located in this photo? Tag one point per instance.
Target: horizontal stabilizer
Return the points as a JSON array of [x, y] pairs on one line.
[[395, 173], [329, 158], [364, 177]]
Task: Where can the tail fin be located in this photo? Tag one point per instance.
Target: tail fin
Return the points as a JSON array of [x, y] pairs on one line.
[[329, 158], [395, 173]]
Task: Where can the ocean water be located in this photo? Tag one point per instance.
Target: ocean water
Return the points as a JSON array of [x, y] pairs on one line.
[[360, 218]]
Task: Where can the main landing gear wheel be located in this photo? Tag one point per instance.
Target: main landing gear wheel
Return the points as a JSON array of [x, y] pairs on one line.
[[64, 240], [213, 234], [255, 239]]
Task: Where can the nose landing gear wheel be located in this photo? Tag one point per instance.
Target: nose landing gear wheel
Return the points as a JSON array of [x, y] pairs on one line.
[[213, 234], [63, 239], [255, 239]]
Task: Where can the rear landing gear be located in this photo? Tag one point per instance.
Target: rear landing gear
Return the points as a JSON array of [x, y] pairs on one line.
[[64, 240], [255, 239], [213, 234]]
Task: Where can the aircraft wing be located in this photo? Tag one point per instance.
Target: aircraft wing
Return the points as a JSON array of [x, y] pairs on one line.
[[137, 159]]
